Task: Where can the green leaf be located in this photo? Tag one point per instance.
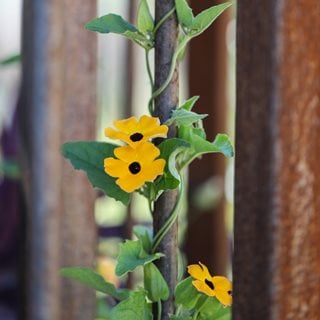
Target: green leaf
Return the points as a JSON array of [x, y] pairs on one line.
[[155, 284], [110, 23], [91, 279], [221, 143], [180, 318], [89, 157], [131, 256], [133, 308], [213, 309], [204, 19], [15, 58], [10, 169], [144, 235], [184, 12], [186, 294], [145, 20], [188, 105], [184, 117], [169, 150]]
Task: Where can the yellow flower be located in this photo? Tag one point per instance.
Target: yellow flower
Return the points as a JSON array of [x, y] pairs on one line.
[[134, 132], [217, 286], [134, 166]]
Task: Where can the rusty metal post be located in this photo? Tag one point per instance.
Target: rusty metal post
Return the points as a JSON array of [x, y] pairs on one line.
[[57, 104], [207, 237], [166, 41], [277, 186]]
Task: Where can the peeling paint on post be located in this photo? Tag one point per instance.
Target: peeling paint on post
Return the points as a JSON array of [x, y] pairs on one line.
[[277, 221], [57, 104]]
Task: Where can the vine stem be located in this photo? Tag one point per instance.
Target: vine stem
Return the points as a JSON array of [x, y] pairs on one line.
[[149, 69], [159, 309], [172, 218], [163, 19], [175, 56]]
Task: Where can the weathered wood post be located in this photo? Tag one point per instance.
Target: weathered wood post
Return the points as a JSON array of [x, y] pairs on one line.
[[165, 45], [57, 104], [277, 186]]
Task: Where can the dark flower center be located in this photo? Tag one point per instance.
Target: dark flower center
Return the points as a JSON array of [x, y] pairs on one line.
[[230, 292], [134, 167], [136, 137], [209, 284]]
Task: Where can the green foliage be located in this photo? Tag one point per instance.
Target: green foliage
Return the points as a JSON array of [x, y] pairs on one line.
[[183, 117], [10, 169], [213, 309], [91, 279], [145, 19], [154, 283], [144, 235], [204, 19], [133, 308], [13, 59], [89, 156], [186, 294], [169, 150], [110, 23], [184, 12], [188, 104], [132, 255], [180, 318]]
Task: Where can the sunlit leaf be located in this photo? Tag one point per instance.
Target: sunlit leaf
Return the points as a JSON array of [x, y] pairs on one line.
[[89, 156], [184, 12], [154, 283], [131, 256], [92, 279], [145, 20]]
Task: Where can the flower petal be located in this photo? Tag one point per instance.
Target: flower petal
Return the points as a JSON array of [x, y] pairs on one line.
[[154, 169], [127, 125], [115, 168], [130, 182], [113, 134], [147, 152], [222, 283], [224, 297], [223, 288], [126, 153], [202, 287], [151, 127], [199, 271]]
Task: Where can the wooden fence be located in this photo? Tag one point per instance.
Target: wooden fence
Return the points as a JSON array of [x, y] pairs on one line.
[[277, 185]]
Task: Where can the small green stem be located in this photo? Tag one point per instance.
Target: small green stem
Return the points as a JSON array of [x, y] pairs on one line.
[[195, 316], [172, 218], [156, 93], [163, 19], [149, 69], [159, 309]]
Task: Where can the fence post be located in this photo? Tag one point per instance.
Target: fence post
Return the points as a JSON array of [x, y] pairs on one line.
[[277, 186], [165, 44], [57, 103]]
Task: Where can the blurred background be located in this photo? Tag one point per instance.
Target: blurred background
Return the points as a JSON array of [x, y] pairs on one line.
[[59, 82]]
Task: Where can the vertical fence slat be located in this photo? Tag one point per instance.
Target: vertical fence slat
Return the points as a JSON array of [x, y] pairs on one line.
[[277, 222], [57, 104]]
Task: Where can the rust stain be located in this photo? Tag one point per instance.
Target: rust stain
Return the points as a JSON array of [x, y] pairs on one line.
[[298, 254]]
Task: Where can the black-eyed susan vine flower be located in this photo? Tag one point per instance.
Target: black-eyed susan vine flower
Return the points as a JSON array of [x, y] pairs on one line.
[[135, 166], [213, 286], [134, 132]]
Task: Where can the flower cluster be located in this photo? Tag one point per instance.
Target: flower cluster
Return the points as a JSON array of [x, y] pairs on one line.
[[136, 162], [213, 286]]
